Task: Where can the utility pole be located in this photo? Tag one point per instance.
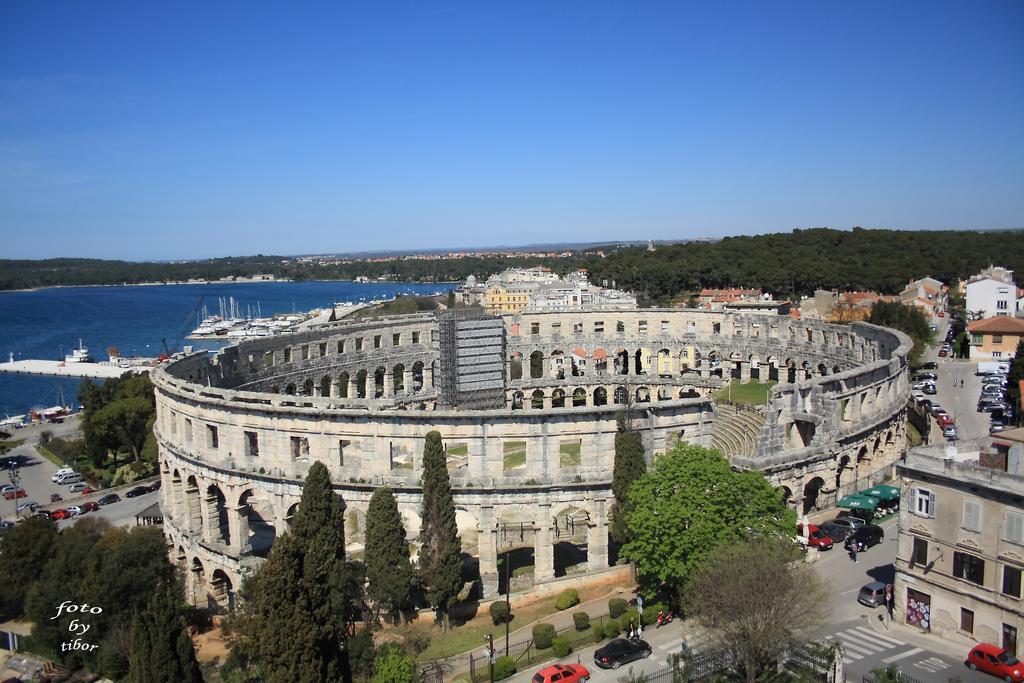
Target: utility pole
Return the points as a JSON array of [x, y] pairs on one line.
[[508, 590], [490, 654]]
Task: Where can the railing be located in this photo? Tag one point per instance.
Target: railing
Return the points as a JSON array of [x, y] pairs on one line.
[[892, 676]]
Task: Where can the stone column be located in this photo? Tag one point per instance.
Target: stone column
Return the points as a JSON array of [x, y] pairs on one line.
[[488, 551], [428, 377], [240, 530], [597, 538], [547, 402], [210, 518], [407, 380], [353, 387], [193, 513], [543, 548], [744, 371], [335, 388], [389, 387]]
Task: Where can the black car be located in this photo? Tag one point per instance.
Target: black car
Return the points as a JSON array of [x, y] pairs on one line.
[[619, 651], [138, 491], [44, 514], [155, 486], [108, 499], [837, 533], [868, 535], [930, 366]]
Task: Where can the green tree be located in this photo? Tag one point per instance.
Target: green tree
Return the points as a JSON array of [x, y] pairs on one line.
[[1014, 379], [161, 649], [727, 594], [441, 552], [908, 319], [388, 568], [297, 608], [688, 505], [629, 466], [393, 665], [24, 550]]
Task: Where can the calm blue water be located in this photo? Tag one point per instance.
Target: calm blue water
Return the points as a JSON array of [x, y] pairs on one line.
[[47, 323]]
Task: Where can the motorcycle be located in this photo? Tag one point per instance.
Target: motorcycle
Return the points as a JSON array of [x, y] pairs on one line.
[[663, 618]]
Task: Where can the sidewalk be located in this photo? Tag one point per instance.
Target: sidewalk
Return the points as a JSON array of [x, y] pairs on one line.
[[917, 638], [457, 664]]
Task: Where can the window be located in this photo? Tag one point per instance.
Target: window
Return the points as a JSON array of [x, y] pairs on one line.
[[359, 344], [924, 502], [323, 349], [972, 515], [211, 436], [620, 326], [341, 346], [396, 339], [188, 431], [666, 326], [343, 445], [919, 555], [534, 328], [577, 327], [976, 338], [416, 335], [997, 354], [966, 620], [268, 359], [599, 327], [556, 328], [305, 352], [717, 328], [997, 339], [287, 355], [252, 444], [1001, 305], [641, 326], [376, 341], [300, 447], [1013, 527], [1011, 581], [969, 567]]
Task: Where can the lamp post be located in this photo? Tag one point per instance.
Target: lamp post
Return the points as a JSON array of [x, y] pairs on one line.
[[508, 590]]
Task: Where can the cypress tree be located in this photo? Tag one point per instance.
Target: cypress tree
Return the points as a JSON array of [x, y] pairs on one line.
[[297, 607], [629, 466], [441, 554], [388, 568], [161, 649]]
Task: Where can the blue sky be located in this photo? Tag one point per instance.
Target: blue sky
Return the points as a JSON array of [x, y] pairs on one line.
[[188, 129]]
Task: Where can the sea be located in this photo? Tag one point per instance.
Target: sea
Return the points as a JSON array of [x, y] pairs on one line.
[[47, 323]]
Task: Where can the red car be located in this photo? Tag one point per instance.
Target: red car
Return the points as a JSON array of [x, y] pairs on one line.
[[60, 514], [562, 673], [816, 538], [87, 490], [90, 507], [945, 420], [18, 493], [994, 660]]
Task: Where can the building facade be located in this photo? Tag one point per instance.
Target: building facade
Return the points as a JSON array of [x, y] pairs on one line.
[[991, 293], [960, 551], [995, 338]]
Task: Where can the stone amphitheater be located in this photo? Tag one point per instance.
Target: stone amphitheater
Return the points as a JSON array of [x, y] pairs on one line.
[[531, 467]]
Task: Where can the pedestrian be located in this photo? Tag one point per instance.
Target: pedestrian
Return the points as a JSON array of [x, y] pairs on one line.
[[853, 551], [890, 599]]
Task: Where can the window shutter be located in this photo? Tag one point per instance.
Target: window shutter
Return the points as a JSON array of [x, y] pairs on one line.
[[972, 515], [1014, 527], [913, 502], [931, 504]]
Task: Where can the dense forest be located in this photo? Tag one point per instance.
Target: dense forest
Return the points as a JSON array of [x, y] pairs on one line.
[[786, 264]]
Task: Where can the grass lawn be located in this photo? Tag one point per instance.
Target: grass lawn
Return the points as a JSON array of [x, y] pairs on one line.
[[751, 393], [50, 455], [569, 454], [460, 449], [514, 453], [10, 444]]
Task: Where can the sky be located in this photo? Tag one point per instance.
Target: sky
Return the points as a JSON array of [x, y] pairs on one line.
[[195, 129]]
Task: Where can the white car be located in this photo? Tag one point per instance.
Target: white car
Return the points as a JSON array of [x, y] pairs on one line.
[[27, 505], [74, 510]]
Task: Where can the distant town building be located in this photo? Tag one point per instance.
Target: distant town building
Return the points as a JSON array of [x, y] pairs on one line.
[[759, 306], [538, 289], [927, 293], [960, 549], [472, 293], [991, 293], [715, 299], [995, 338], [841, 307]]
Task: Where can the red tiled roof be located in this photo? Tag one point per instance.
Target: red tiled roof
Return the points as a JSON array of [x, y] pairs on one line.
[[1003, 324]]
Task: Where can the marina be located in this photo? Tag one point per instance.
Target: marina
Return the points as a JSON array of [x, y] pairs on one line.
[[57, 368]]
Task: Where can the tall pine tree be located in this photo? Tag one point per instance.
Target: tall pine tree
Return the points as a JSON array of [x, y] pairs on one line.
[[441, 554], [161, 649], [296, 609], [629, 466], [1013, 382], [388, 568]]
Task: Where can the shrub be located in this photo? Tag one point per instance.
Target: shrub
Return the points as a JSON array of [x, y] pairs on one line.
[[616, 606], [561, 647], [543, 635], [611, 629], [650, 614], [581, 620], [567, 598], [499, 612], [504, 667]]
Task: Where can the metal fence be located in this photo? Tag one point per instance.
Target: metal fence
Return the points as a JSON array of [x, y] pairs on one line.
[[810, 659], [897, 676], [431, 673]]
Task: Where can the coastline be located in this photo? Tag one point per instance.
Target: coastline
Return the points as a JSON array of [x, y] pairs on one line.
[[222, 282]]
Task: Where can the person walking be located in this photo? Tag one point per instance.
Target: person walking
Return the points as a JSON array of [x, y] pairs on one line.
[[890, 600], [853, 551]]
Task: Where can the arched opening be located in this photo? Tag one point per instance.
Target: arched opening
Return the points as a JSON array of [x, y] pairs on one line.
[[558, 398], [290, 390], [600, 396], [515, 366], [343, 385], [621, 395], [417, 375], [621, 362], [379, 377], [571, 526], [579, 398], [517, 400], [665, 363], [863, 463], [812, 491], [222, 590], [600, 362], [786, 494], [536, 365], [639, 362], [259, 518], [307, 387], [822, 369], [557, 365], [198, 587], [398, 378], [193, 508], [361, 384], [537, 399], [842, 474], [290, 514], [325, 386], [217, 511], [643, 395]]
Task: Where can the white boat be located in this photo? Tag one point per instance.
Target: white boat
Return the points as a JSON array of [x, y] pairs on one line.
[[79, 355]]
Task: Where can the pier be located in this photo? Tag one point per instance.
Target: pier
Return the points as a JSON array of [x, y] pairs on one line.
[[58, 368]]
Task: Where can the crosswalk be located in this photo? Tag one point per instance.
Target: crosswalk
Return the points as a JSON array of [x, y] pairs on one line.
[[861, 642]]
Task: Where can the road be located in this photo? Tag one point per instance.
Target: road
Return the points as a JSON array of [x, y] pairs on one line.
[[960, 402]]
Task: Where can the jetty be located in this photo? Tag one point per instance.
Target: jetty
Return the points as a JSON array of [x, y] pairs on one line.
[[57, 368]]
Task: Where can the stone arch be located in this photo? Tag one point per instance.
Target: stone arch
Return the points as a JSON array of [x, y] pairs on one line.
[[222, 590], [621, 362], [812, 495], [182, 558], [600, 396], [307, 387], [290, 389], [290, 514], [536, 365], [325, 386], [557, 362], [537, 399], [786, 493], [570, 525], [600, 357], [558, 398], [199, 588], [259, 519], [638, 357], [665, 365], [361, 381], [643, 395], [398, 378], [417, 375], [822, 369], [379, 377], [579, 397], [517, 400], [468, 527], [515, 362], [217, 515], [621, 395], [412, 522], [193, 507], [343, 380]]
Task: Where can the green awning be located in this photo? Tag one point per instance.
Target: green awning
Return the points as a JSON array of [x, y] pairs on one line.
[[859, 502], [882, 492]]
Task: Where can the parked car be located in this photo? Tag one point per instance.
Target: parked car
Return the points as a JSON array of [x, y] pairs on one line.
[[930, 376], [81, 487], [109, 498], [836, 532], [138, 491], [44, 514], [936, 409], [620, 651], [930, 365], [816, 538], [943, 352], [850, 522], [155, 486], [7, 487], [60, 514], [949, 432], [944, 420], [29, 505], [55, 498], [868, 535], [994, 660], [74, 510], [63, 471], [15, 494], [562, 673], [872, 594], [90, 507]]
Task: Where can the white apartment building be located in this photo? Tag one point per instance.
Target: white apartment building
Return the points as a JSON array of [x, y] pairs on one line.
[[991, 293]]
